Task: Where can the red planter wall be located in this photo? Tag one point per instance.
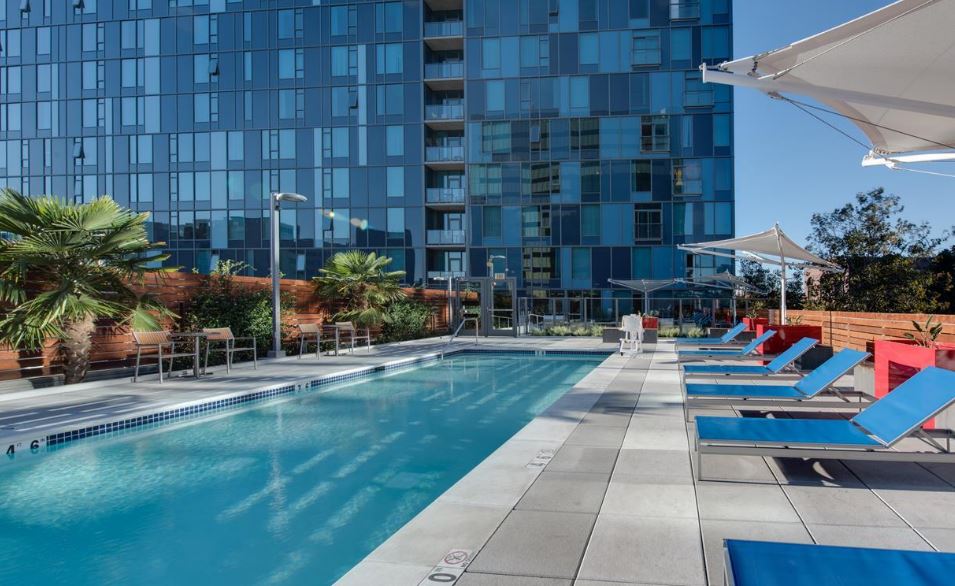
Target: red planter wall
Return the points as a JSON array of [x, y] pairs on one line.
[[650, 323], [896, 361], [786, 336], [753, 322]]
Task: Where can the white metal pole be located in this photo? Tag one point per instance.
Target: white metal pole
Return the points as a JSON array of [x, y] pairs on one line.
[[277, 351], [782, 294]]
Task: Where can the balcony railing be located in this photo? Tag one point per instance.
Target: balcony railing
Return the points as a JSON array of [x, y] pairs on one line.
[[445, 28], [444, 111], [445, 274], [444, 195], [439, 154], [448, 70], [445, 237]]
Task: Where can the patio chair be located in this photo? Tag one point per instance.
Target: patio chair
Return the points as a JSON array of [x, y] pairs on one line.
[[723, 340], [872, 434], [812, 386], [632, 330], [777, 365], [225, 335], [158, 341], [347, 327], [308, 333], [727, 353], [763, 563]]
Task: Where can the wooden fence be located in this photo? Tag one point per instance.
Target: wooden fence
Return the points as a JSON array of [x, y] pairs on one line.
[[848, 329], [113, 345]]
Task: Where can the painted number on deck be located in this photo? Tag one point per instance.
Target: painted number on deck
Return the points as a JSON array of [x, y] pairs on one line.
[[449, 569]]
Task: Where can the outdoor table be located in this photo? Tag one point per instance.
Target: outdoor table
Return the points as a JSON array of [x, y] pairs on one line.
[[337, 329], [197, 338]]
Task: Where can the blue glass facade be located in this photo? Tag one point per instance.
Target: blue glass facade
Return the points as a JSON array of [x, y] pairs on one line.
[[568, 141]]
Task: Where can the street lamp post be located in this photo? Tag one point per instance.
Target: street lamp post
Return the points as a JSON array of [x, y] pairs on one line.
[[276, 199]]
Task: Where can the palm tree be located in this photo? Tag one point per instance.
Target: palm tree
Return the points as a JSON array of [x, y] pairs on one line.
[[360, 283], [63, 266]]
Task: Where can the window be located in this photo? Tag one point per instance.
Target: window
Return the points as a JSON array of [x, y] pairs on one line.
[[580, 263], [395, 182], [721, 130], [43, 116], [200, 70], [648, 219], [654, 134], [291, 64], [716, 44], [389, 58], [641, 173], [590, 178], [535, 51], [388, 18], [344, 20], [590, 221], [290, 24], [696, 93], [43, 40], [687, 177], [579, 95], [589, 49], [200, 30], [645, 48], [344, 61], [494, 100], [43, 78], [492, 222], [291, 104], [544, 178], [394, 141], [491, 54], [390, 99], [681, 9], [535, 221], [342, 100], [496, 137], [395, 220], [681, 44]]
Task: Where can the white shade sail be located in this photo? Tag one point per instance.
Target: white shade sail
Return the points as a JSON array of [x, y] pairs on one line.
[[645, 286], [724, 280], [891, 72]]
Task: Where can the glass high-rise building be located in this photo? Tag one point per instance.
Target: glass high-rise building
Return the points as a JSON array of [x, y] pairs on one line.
[[563, 142]]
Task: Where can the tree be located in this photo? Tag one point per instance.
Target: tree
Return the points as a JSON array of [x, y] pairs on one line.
[[768, 283], [64, 266], [360, 283], [883, 254], [943, 287]]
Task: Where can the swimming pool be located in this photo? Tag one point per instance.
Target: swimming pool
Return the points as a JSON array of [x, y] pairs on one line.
[[295, 490]]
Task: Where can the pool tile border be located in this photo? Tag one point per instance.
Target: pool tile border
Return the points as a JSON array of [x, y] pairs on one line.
[[57, 440]]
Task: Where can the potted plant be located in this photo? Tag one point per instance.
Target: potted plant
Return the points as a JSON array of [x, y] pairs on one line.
[[787, 335], [898, 360], [651, 321], [752, 318]]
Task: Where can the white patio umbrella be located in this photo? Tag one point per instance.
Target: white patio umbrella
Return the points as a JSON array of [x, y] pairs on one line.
[[725, 280], [889, 72], [768, 247], [645, 286]]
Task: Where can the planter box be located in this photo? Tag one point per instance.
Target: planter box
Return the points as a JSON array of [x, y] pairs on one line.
[[786, 336], [898, 360], [650, 336], [814, 357], [753, 322], [613, 335], [650, 322]]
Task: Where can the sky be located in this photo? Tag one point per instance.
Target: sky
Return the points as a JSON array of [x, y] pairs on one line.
[[788, 165]]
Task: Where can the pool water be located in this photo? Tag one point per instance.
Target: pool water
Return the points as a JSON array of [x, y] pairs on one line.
[[292, 491]]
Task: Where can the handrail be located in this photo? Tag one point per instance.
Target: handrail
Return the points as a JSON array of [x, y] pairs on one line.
[[458, 331]]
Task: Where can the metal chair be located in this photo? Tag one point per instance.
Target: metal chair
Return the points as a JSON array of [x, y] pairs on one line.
[[158, 340], [225, 335], [347, 327], [308, 333]]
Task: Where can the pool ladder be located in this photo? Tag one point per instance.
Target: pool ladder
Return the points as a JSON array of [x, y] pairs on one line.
[[458, 331]]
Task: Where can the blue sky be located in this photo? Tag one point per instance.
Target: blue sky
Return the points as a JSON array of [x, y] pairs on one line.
[[788, 165]]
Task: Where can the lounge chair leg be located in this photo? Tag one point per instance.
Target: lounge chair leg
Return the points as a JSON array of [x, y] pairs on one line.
[[139, 352]]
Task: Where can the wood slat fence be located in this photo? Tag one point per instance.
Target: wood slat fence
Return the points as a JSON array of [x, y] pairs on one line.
[[848, 329], [113, 345]]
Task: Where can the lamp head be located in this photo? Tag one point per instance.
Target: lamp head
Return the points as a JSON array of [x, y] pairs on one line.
[[292, 197]]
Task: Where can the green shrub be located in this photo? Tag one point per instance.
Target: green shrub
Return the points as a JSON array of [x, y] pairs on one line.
[[219, 302], [696, 333], [668, 332], [570, 331], [405, 320]]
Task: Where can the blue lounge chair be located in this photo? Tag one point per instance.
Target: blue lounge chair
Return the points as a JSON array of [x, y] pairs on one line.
[[726, 338], [871, 435], [725, 353], [811, 386], [761, 563], [776, 366]]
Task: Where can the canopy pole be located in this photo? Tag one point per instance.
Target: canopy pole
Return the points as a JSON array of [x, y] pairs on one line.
[[646, 302], [782, 296]]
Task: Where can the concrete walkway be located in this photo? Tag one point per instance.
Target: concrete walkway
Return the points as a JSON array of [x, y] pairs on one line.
[[618, 504]]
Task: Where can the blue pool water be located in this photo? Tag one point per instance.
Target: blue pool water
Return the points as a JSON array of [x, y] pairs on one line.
[[291, 491]]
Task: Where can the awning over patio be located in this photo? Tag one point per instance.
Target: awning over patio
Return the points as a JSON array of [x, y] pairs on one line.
[[890, 72], [771, 246]]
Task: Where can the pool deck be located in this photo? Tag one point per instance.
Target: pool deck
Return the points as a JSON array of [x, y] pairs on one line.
[[30, 416], [599, 490]]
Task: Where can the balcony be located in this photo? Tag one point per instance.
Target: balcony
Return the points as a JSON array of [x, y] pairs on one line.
[[444, 28], [444, 70], [449, 195], [444, 154], [444, 111], [446, 237]]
